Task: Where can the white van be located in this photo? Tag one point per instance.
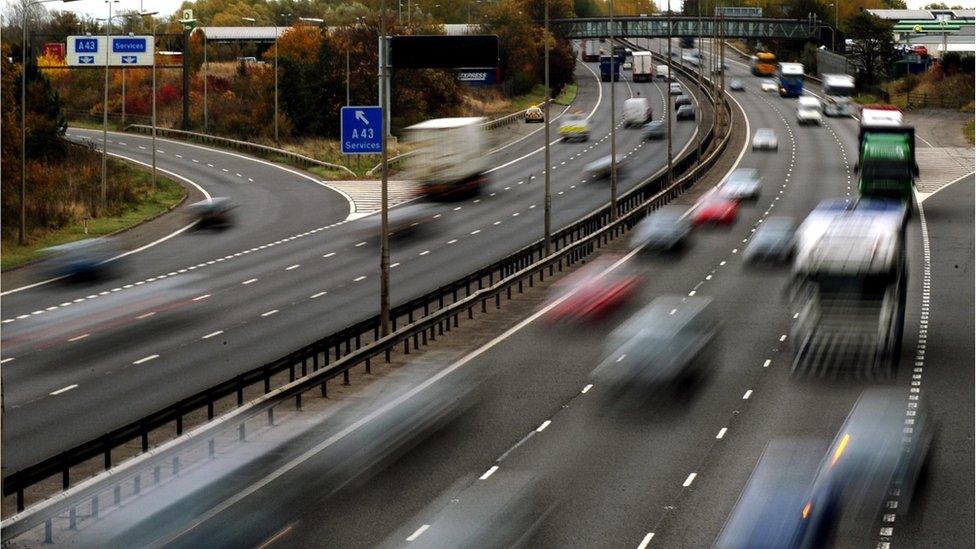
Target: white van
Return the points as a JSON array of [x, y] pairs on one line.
[[808, 110], [661, 72], [637, 111]]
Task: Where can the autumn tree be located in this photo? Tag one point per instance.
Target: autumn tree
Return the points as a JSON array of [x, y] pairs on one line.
[[873, 52]]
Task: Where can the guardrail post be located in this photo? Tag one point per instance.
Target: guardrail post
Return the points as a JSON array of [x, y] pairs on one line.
[[210, 408], [117, 494], [240, 393], [94, 507], [291, 372], [345, 376], [304, 365], [72, 518], [267, 381], [137, 484], [157, 475], [176, 465], [20, 499], [298, 402], [179, 422], [107, 455], [48, 535], [325, 390], [240, 432], [65, 478]]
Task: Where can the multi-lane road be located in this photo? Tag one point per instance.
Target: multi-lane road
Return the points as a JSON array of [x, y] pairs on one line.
[[291, 271]]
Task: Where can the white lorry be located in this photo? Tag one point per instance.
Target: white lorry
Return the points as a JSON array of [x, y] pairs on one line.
[[637, 111], [662, 72], [839, 92], [643, 66], [449, 158]]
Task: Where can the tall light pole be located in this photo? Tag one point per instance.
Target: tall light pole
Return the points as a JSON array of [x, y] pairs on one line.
[[206, 103], [108, 46], [22, 233], [613, 126], [545, 106], [153, 14], [668, 102], [384, 190]]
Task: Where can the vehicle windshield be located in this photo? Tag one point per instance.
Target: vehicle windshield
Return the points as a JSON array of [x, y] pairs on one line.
[[839, 91], [574, 119], [886, 170], [765, 134]]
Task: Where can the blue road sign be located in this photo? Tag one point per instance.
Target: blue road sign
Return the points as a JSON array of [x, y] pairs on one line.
[[86, 45], [129, 45], [361, 131]]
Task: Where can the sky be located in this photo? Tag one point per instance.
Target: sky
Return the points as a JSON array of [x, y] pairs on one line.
[[97, 8]]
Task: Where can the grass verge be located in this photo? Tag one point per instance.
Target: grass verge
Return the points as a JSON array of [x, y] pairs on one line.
[[970, 129], [168, 193], [568, 95]]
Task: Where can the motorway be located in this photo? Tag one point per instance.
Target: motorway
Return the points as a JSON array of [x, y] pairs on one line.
[[291, 271], [665, 473]]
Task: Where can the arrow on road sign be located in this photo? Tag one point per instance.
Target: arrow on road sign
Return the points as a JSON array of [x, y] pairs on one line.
[[361, 116], [129, 59], [86, 59]]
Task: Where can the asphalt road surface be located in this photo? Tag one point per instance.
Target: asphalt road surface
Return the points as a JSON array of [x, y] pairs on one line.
[[290, 272]]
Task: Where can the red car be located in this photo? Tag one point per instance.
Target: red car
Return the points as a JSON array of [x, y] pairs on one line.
[[920, 50], [587, 295], [715, 210]]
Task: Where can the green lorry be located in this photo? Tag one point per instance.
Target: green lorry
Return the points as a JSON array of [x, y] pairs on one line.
[[886, 155]]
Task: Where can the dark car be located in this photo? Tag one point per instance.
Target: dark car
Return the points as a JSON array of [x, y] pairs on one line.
[[665, 229], [655, 129], [737, 85], [685, 112], [682, 100], [600, 168], [666, 342], [773, 241], [87, 259], [216, 212]]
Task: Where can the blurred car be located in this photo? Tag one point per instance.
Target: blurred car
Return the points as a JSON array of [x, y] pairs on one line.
[[86, 259], [682, 100], [589, 294], [655, 129], [773, 241], [403, 221], [875, 451], [685, 112], [737, 85], [534, 114], [675, 89], [765, 140], [216, 212], [718, 69], [667, 341], [742, 184], [665, 229], [920, 50], [768, 85], [808, 111], [574, 127], [771, 512], [715, 210], [626, 65], [600, 168]]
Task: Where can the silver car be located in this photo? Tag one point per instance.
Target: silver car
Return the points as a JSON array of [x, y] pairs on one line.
[[600, 168], [654, 129], [665, 229], [742, 184], [768, 85], [774, 241], [675, 89], [737, 85], [764, 140]]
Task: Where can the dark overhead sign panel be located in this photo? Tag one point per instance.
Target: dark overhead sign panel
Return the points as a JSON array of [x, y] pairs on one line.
[[443, 52]]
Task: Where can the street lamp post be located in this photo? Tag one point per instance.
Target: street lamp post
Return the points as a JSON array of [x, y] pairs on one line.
[[384, 187], [153, 14], [22, 233], [613, 124], [108, 27], [668, 102], [548, 198]]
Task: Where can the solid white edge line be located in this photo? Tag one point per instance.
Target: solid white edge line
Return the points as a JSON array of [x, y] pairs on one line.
[[146, 359], [212, 334], [419, 532], [542, 427]]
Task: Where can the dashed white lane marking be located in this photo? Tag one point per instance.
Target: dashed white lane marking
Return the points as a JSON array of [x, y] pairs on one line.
[[79, 337], [212, 334], [269, 313], [747, 395], [689, 480], [201, 297], [395, 264], [363, 243], [63, 389], [292, 267], [6, 360], [491, 471], [146, 359], [476, 231], [452, 241], [358, 278], [249, 281], [647, 539], [330, 254], [767, 363], [425, 252], [782, 337], [587, 388], [420, 531], [146, 315], [721, 433], [542, 427], [320, 294]]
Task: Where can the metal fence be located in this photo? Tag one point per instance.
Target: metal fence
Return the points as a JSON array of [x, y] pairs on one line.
[[292, 157], [832, 63], [912, 100], [414, 323]]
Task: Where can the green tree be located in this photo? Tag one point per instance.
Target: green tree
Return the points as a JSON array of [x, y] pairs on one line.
[[873, 52]]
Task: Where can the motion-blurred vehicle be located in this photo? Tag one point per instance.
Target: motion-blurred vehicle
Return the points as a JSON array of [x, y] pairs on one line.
[[610, 68], [790, 76], [637, 111], [772, 510], [765, 140], [737, 85], [768, 85], [839, 91], [763, 64], [772, 242], [875, 452], [216, 212], [449, 158], [643, 67], [661, 72], [714, 209], [685, 112], [664, 229], [886, 164], [718, 69], [655, 129], [83, 260], [682, 100], [675, 89], [849, 291], [574, 127], [600, 168], [627, 65], [534, 114], [896, 209], [403, 221], [590, 294], [666, 342], [741, 184], [808, 110]]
